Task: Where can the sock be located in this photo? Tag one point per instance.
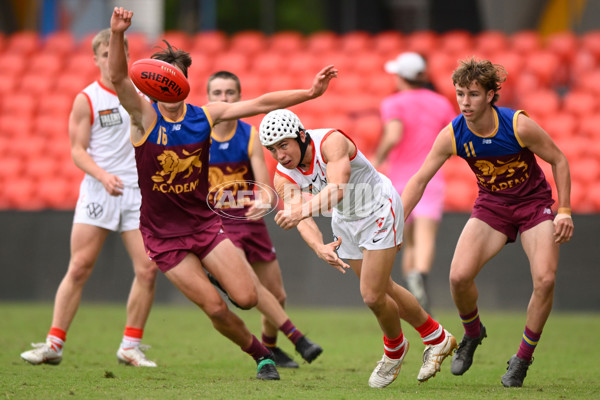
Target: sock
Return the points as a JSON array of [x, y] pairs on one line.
[[394, 348], [256, 350], [431, 332], [57, 338], [528, 344], [268, 341], [132, 337], [471, 323], [290, 331]]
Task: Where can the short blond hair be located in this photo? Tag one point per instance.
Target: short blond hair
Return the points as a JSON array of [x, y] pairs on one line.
[[103, 37]]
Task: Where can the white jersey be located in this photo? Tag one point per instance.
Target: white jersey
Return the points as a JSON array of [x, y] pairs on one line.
[[366, 191], [110, 144]]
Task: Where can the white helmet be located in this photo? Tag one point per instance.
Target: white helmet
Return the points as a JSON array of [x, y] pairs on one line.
[[277, 125]]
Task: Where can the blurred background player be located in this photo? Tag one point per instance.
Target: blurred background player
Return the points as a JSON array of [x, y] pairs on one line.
[[181, 232], [236, 161], [412, 118], [367, 227], [109, 200], [500, 145]]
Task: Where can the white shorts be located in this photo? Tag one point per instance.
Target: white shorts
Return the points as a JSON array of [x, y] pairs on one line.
[[98, 208], [380, 230]]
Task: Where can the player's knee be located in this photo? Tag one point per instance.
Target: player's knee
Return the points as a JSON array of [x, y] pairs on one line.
[[245, 300], [459, 281], [80, 269], [146, 274], [373, 300], [544, 283], [218, 311]]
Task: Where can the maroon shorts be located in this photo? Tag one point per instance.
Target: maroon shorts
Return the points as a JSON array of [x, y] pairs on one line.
[[168, 252], [511, 219], [252, 237]]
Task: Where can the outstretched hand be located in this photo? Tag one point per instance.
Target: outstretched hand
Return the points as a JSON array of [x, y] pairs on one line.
[[327, 253], [321, 81], [120, 20]]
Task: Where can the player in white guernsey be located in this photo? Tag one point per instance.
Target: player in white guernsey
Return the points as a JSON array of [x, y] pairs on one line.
[[367, 222], [109, 200]]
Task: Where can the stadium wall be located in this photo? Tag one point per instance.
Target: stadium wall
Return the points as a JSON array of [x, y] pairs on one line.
[[34, 249]]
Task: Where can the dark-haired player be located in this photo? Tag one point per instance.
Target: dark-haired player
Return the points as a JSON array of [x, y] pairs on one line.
[[181, 233]]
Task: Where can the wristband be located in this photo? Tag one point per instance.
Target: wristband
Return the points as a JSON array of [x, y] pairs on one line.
[[564, 210]]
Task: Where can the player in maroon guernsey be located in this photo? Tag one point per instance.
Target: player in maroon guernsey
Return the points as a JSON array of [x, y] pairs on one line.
[[500, 145], [181, 233]]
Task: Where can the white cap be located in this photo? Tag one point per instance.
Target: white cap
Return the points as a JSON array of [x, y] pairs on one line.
[[278, 125], [408, 65]]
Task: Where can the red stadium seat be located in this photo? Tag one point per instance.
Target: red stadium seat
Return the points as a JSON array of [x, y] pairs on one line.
[[23, 42], [460, 195], [526, 42], [366, 132], [56, 105], [209, 42], [368, 64], [590, 126], [36, 84], [70, 85], [269, 64], [248, 42], [540, 104], [178, 39], [46, 64], [286, 42], [389, 44], [13, 63], [560, 125], [563, 44], [545, 65], [232, 61], [580, 103], [423, 42], [356, 42], [490, 42], [590, 41], [61, 43], [322, 42], [458, 43], [21, 194], [22, 105]]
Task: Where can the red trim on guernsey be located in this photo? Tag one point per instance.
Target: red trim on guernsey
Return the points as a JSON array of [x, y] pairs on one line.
[[342, 132], [284, 175], [91, 108], [107, 89], [394, 224]]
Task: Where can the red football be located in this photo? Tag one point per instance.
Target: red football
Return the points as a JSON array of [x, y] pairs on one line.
[[159, 80]]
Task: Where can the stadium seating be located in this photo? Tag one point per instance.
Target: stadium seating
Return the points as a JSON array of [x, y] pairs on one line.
[[556, 79]]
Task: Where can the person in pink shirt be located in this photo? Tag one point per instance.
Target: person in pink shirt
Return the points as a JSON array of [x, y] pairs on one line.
[[412, 118]]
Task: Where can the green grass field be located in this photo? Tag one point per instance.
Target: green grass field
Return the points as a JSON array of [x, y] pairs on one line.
[[195, 362]]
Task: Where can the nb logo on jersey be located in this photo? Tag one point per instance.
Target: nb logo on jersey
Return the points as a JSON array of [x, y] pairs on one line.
[[176, 127], [547, 211], [486, 141], [224, 146]]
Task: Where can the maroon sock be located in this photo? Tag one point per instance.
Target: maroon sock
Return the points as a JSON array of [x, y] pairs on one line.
[[290, 331], [528, 343], [256, 350], [269, 341], [472, 324]]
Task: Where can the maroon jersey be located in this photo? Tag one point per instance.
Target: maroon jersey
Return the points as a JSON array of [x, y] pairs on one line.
[[172, 164]]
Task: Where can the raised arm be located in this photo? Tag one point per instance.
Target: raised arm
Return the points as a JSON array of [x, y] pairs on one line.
[[221, 111], [540, 143], [441, 150], [141, 112], [392, 135]]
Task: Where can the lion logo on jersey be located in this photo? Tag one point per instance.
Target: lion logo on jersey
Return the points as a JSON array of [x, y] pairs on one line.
[[234, 178], [172, 165], [487, 168]]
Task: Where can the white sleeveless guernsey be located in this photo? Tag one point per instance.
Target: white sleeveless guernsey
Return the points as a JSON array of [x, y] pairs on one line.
[[366, 191], [110, 144]]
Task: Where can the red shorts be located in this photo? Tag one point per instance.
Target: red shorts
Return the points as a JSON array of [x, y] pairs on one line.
[[511, 219], [168, 252], [252, 237]]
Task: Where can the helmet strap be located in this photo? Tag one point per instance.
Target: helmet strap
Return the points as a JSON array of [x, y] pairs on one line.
[[303, 146]]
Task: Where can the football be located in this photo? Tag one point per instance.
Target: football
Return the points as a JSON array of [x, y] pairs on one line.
[[159, 80]]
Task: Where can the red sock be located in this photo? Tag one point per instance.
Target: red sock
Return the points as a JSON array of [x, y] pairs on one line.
[[290, 331], [471, 323], [431, 332], [394, 348], [57, 337], [132, 337], [256, 350]]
